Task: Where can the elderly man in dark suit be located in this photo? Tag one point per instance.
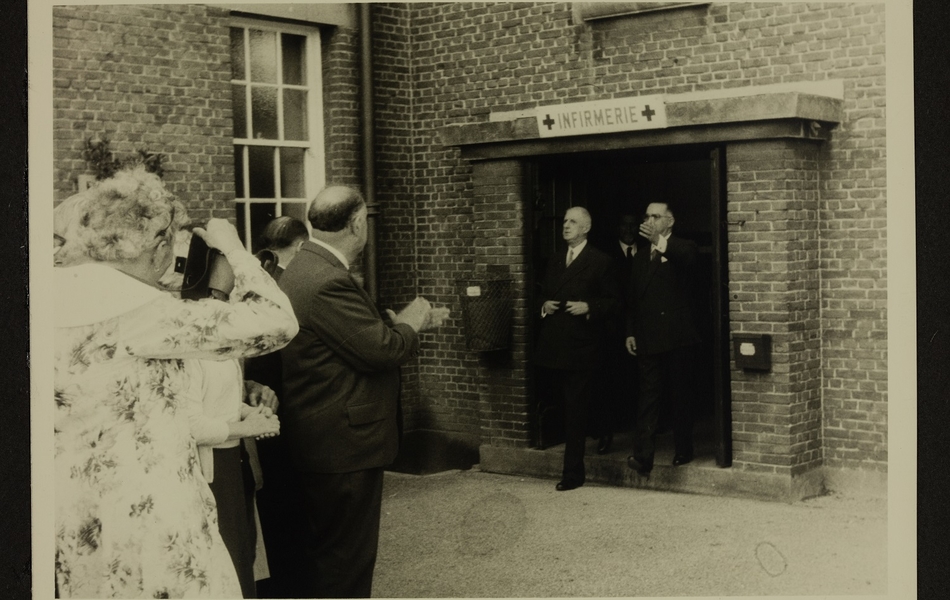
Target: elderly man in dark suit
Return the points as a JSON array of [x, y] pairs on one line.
[[578, 296], [662, 335], [341, 392]]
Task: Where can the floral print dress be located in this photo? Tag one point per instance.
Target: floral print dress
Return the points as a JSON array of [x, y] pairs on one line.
[[134, 516]]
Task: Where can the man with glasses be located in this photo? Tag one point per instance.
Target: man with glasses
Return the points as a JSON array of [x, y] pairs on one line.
[[662, 335]]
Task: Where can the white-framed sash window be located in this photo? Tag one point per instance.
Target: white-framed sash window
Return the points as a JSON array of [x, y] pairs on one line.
[[277, 109]]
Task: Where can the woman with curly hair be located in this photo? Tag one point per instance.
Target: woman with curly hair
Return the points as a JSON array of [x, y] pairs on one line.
[[134, 516]]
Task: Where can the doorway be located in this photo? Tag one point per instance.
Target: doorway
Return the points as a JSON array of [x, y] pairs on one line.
[[611, 184]]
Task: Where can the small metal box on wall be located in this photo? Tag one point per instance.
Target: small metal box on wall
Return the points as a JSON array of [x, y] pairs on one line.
[[753, 351]]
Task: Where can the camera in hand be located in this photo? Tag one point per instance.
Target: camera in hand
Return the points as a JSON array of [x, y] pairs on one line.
[[207, 273]]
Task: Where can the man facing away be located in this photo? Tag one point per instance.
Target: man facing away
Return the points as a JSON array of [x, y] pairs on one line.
[[578, 295], [341, 393], [662, 335]]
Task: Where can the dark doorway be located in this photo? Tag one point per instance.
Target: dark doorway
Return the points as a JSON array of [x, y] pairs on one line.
[[611, 184]]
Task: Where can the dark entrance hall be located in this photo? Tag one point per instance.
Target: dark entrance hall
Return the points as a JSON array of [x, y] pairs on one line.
[[609, 185]]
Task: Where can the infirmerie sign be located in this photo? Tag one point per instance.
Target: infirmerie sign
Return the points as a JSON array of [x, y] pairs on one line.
[[602, 116]]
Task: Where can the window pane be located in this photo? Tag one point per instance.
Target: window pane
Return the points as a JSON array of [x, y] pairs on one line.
[[264, 113], [261, 166], [261, 215], [239, 172], [237, 53], [240, 220], [263, 56], [291, 173], [297, 210], [239, 110], [295, 115], [294, 47]]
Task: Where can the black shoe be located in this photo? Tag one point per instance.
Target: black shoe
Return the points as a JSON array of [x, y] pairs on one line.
[[682, 459], [639, 467], [604, 444], [564, 486]]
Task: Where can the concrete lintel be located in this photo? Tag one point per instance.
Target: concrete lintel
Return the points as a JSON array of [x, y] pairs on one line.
[[747, 109], [697, 134]]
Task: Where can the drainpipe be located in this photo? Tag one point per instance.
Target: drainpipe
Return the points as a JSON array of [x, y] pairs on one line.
[[369, 143]]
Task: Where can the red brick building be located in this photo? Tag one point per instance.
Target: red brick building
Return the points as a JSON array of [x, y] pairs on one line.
[[770, 134]]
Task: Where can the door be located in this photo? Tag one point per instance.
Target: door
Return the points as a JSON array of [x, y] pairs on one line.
[[611, 184]]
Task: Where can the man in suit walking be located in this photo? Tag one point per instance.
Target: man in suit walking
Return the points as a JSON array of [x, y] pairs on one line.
[[662, 335], [341, 393], [579, 294]]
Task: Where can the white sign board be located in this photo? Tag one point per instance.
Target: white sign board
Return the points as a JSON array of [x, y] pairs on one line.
[[602, 116]]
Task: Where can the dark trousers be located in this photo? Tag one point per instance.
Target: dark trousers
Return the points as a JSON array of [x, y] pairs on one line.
[[233, 489], [281, 507], [575, 387], [343, 535], [614, 405], [670, 371]]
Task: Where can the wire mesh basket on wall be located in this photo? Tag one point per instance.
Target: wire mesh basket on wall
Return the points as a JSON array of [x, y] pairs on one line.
[[486, 311]]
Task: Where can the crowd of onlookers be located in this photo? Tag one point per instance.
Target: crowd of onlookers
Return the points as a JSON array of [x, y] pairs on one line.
[[170, 478]]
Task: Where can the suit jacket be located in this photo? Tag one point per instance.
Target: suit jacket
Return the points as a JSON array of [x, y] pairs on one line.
[[341, 372], [573, 342], [616, 326], [659, 314]]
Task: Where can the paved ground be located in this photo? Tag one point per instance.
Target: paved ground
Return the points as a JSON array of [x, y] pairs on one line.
[[464, 534]]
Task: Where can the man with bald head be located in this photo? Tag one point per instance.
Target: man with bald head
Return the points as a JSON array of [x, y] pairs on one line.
[[579, 295], [341, 391]]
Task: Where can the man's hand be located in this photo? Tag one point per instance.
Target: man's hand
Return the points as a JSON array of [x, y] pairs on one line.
[[220, 235], [414, 315], [631, 344], [257, 394], [577, 308], [435, 318], [650, 232], [551, 306]]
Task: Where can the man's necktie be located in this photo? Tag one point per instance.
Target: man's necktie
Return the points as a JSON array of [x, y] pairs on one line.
[[629, 253], [653, 253], [570, 257]]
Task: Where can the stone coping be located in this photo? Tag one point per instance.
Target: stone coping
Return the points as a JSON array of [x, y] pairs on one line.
[[748, 106]]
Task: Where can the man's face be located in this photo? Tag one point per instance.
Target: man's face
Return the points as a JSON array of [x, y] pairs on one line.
[[576, 226], [659, 215], [627, 229]]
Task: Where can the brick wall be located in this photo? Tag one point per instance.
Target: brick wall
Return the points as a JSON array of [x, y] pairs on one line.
[[772, 211], [157, 77], [468, 59], [151, 77]]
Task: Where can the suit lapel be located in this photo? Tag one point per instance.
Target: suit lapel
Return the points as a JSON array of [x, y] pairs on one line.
[[643, 264], [577, 266]]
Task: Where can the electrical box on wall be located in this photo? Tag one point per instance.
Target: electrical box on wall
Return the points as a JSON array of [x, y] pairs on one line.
[[753, 351]]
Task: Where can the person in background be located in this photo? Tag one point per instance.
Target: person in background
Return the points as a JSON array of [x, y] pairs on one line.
[[662, 335], [578, 296], [133, 515], [615, 400], [283, 236], [280, 501], [226, 414], [341, 394]]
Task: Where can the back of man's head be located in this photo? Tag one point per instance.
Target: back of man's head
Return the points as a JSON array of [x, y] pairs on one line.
[[334, 208]]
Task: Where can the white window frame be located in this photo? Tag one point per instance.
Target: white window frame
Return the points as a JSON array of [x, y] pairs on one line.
[[314, 156]]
